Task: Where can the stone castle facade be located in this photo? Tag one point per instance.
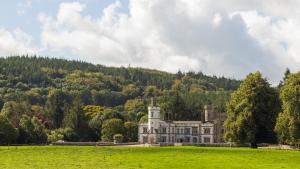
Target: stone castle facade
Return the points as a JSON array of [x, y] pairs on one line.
[[158, 131]]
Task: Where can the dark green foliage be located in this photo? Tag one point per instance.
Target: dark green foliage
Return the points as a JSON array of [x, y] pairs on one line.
[[131, 131], [57, 105], [8, 134], [252, 112], [1, 104], [288, 121]]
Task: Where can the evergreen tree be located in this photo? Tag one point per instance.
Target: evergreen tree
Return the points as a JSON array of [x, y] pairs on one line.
[[57, 105], [288, 121]]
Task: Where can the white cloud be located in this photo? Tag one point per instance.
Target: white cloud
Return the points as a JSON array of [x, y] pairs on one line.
[[16, 43], [229, 37]]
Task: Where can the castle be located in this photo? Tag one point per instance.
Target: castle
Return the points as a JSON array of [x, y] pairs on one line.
[[166, 131]]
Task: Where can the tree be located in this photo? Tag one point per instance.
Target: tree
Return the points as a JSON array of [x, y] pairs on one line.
[[133, 107], [1, 104], [286, 74], [32, 130], [77, 120], [55, 135], [92, 110], [86, 96], [131, 130], [14, 111], [57, 104], [111, 127], [252, 112], [288, 121], [8, 134]]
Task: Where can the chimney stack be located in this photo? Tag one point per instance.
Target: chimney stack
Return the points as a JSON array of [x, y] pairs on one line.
[[205, 113]]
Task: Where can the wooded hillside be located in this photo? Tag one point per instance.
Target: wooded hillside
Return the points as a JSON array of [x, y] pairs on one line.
[[75, 100]]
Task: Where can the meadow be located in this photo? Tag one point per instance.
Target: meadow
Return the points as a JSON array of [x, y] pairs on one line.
[[146, 157]]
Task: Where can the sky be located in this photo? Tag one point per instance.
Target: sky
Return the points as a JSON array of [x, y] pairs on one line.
[[228, 38]]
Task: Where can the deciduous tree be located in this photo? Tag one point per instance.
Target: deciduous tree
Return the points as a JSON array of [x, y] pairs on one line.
[[252, 112]]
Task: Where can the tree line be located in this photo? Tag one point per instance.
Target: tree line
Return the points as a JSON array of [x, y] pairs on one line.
[[43, 100], [259, 113]]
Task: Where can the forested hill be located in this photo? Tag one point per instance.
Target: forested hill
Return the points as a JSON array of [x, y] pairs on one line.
[[71, 94], [39, 71]]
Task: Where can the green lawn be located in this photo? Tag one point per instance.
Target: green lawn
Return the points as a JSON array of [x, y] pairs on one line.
[[149, 158]]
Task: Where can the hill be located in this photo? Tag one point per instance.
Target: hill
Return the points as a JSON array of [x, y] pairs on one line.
[[78, 95]]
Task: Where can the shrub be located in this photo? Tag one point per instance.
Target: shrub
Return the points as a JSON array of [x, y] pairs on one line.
[[118, 138]]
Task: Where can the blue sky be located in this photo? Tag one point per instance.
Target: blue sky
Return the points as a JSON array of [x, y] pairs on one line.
[[225, 38], [23, 14]]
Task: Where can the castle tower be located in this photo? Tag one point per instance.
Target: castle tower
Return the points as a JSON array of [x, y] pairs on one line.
[[153, 121]]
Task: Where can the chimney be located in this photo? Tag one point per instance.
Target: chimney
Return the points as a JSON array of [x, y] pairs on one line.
[[206, 113]]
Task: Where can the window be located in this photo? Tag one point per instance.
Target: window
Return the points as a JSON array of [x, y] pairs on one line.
[[163, 139], [145, 139], [206, 139], [177, 131], [151, 129], [206, 130], [181, 131], [187, 139], [151, 114], [172, 130], [195, 140], [187, 131], [173, 139], [195, 131], [164, 130], [145, 130]]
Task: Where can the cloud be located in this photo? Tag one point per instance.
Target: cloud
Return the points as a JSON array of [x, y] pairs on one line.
[[230, 38], [16, 43]]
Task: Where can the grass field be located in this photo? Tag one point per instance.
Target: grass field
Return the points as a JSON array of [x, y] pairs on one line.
[[149, 158]]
